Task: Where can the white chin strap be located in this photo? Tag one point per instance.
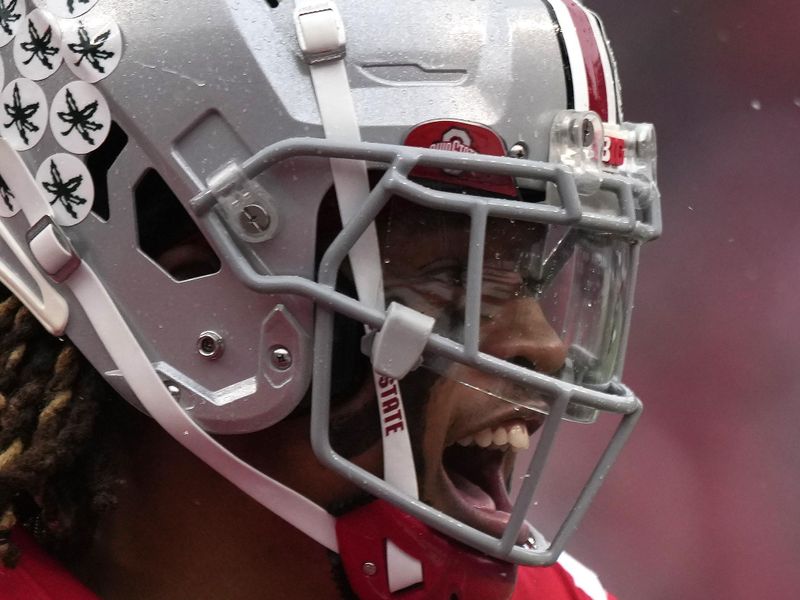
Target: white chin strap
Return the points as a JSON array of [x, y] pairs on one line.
[[321, 35]]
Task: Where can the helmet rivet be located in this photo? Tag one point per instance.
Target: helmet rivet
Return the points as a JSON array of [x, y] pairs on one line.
[[281, 358], [254, 218], [369, 568], [210, 345], [173, 389], [519, 150], [587, 133]]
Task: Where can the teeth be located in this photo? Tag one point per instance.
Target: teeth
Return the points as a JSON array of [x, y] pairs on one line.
[[484, 438], [513, 435], [518, 436], [500, 436]]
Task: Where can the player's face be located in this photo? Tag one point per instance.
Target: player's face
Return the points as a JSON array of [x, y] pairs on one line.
[[466, 425]]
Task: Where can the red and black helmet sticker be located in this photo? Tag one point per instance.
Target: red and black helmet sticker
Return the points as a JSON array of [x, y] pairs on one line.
[[467, 138]]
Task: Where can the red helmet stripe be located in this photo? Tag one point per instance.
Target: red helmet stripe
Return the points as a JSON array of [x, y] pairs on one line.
[[609, 68], [592, 60], [589, 67]]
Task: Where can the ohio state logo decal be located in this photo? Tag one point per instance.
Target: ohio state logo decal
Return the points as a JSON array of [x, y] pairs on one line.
[[455, 140], [465, 138]]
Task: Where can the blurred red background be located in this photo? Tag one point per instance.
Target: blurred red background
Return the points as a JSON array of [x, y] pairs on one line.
[[705, 501]]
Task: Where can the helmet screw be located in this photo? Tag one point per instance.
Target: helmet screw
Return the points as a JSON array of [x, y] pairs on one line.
[[587, 133], [254, 218], [210, 345], [519, 150], [369, 568], [281, 358], [173, 389]]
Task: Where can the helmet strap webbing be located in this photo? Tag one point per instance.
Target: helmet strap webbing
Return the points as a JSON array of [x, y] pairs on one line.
[[321, 35]]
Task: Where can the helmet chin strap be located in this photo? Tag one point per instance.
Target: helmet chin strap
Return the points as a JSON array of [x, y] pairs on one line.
[[321, 35]]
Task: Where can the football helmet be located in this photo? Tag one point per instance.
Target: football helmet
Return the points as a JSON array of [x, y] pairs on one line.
[[166, 169]]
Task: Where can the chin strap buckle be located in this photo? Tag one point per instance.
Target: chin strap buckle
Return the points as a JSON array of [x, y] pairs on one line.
[[398, 346], [320, 31], [52, 249]]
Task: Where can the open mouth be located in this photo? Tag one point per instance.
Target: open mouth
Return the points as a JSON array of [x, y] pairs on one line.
[[474, 474]]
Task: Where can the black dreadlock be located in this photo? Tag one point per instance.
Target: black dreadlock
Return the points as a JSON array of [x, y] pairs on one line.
[[55, 471]]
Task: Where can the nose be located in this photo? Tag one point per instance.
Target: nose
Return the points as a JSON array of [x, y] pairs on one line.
[[520, 333]]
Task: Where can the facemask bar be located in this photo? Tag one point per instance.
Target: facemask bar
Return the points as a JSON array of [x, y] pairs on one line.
[[633, 195]]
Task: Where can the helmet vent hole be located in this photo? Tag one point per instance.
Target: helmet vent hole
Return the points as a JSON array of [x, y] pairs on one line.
[[167, 234], [273, 3], [99, 163]]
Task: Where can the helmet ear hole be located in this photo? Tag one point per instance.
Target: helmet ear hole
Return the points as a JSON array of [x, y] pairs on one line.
[[99, 163], [167, 234]]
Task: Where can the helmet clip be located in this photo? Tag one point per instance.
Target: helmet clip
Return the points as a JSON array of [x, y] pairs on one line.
[[52, 249], [247, 207], [398, 346], [320, 31]]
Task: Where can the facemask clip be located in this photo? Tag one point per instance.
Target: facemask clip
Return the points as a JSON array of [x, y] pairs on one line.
[[247, 207], [398, 346], [576, 140]]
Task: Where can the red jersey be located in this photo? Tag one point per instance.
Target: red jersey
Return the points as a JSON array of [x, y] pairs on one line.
[[39, 577], [566, 580]]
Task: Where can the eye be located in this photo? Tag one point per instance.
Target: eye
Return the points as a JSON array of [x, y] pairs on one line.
[[447, 271], [435, 289]]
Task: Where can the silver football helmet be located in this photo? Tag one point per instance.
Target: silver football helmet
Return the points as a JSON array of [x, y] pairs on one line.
[[163, 166]]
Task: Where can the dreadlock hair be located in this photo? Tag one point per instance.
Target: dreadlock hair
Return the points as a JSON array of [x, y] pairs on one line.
[[55, 474]]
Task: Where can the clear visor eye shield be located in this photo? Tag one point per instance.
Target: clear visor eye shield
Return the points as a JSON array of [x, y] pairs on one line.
[[577, 267], [554, 299]]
